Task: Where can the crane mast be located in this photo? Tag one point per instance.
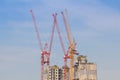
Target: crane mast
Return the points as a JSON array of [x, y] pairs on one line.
[[44, 53], [72, 44], [63, 48]]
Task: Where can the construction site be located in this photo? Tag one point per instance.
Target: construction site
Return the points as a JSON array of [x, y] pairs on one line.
[[75, 67]]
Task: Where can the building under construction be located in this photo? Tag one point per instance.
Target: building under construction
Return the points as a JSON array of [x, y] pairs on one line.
[[77, 69], [82, 70]]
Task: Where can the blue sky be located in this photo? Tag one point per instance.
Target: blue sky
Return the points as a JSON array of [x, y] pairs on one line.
[[95, 25]]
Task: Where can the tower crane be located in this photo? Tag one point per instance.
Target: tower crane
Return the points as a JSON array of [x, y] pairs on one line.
[[66, 56], [72, 44], [44, 53]]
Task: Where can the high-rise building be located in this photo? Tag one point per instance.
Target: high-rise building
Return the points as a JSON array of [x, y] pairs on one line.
[[54, 73], [65, 70], [83, 70]]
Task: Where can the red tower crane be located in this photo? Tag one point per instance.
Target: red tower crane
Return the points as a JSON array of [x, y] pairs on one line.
[[44, 53], [61, 41]]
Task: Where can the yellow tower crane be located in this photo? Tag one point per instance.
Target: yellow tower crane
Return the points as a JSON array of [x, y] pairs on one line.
[[72, 44]]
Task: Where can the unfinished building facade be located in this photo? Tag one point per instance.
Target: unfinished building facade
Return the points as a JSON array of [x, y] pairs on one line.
[[83, 70]]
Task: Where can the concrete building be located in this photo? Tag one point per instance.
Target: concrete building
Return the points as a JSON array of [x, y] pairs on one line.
[[84, 70], [67, 73], [54, 73]]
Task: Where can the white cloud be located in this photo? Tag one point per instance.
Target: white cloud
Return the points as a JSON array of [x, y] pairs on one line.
[[15, 54], [99, 17], [20, 24]]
